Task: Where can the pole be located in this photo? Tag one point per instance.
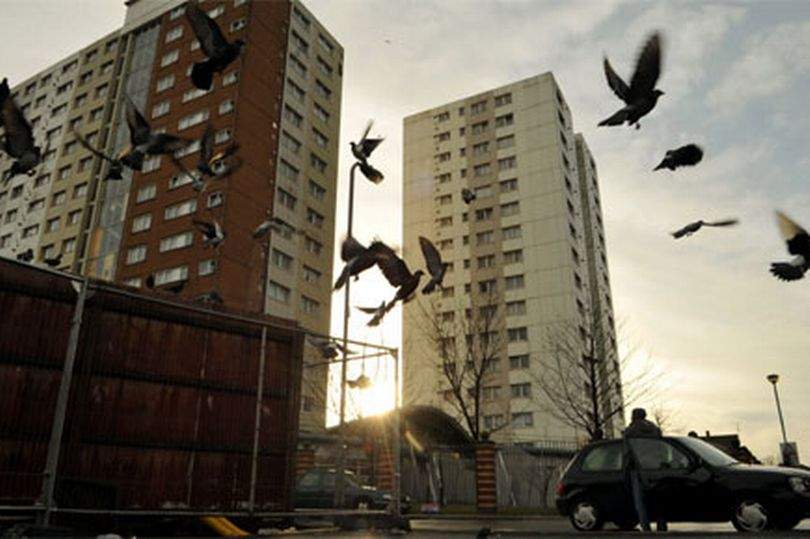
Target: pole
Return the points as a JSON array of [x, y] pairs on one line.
[[396, 442], [257, 424], [55, 444], [779, 410], [341, 457]]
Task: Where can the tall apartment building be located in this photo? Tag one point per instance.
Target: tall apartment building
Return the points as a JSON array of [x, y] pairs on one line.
[[531, 244], [280, 102]]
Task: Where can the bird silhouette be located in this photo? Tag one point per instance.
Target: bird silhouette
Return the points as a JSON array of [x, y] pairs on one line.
[[219, 51], [433, 261], [275, 224], [212, 232], [362, 150], [641, 96], [207, 166], [146, 142], [53, 261], [691, 228], [689, 155], [358, 259], [19, 141], [117, 164], [398, 275], [26, 256], [798, 244], [468, 195]]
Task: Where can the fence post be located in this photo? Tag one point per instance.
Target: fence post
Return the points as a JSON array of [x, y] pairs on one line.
[[257, 426], [55, 443], [486, 491]]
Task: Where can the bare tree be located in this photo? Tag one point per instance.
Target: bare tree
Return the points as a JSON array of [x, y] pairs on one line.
[[665, 418], [580, 381], [468, 344]]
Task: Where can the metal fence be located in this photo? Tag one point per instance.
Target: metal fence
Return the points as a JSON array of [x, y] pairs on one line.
[[114, 401]]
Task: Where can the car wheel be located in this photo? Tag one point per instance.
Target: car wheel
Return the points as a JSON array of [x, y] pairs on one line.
[[586, 517], [750, 516]]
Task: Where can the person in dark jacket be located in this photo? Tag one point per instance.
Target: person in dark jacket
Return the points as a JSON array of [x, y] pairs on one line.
[[639, 427]]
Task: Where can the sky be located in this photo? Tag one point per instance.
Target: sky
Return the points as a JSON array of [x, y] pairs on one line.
[[703, 311]]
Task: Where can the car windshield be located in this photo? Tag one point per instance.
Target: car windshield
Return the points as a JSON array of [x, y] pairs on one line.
[[708, 452]]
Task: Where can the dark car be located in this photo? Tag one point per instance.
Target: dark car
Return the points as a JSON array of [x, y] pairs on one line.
[[685, 479], [315, 489]]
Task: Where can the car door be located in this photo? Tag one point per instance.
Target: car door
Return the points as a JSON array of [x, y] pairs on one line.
[[307, 491], [602, 479], [674, 487]]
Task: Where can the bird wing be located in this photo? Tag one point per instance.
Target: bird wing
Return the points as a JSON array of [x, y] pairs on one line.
[[19, 137], [648, 67], [367, 130], [207, 145], [206, 29], [691, 154], [615, 82], [86, 145], [433, 259], [723, 222], [351, 248], [787, 272], [206, 228], [139, 129], [798, 242], [369, 310], [393, 267]]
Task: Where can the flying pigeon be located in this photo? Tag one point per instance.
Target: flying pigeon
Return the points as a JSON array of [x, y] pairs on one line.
[[688, 155], [219, 51], [378, 313], [124, 158], [144, 141], [468, 195], [798, 244], [641, 96], [208, 163], [212, 233], [26, 256], [19, 141], [275, 224], [362, 150], [358, 259], [328, 348], [209, 297], [372, 174], [691, 228], [53, 261], [435, 267], [398, 275]]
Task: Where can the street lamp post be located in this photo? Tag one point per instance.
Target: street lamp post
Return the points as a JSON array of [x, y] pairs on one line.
[[773, 379]]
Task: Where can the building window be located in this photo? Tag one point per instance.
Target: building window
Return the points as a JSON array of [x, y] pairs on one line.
[[193, 119], [134, 282], [507, 163], [230, 78], [320, 139], [442, 137], [176, 13], [80, 100], [174, 34], [512, 208], [193, 93], [290, 142], [313, 246], [521, 391], [151, 164], [161, 109], [286, 199], [215, 199], [180, 209], [515, 308], [169, 58], [64, 88], [316, 191], [287, 171], [325, 68], [296, 90], [278, 292], [69, 245], [487, 261], [444, 222], [64, 173], [322, 90], [508, 186], [483, 214], [503, 99], [521, 420], [320, 113], [53, 225], [300, 17], [491, 393], [142, 222], [480, 149], [442, 117], [519, 362], [444, 200], [206, 267], [481, 170], [512, 232], [73, 217], [80, 190], [517, 334], [136, 254], [176, 241], [515, 282], [444, 178], [309, 306], [478, 108], [146, 192], [314, 218], [292, 116], [479, 128], [505, 120], [484, 238], [101, 91], [506, 142], [311, 275], [317, 163], [513, 257], [223, 135], [58, 198], [84, 164], [226, 106], [96, 114], [281, 260], [171, 275]]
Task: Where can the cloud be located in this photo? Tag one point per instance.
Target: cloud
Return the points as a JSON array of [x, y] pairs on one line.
[[771, 61]]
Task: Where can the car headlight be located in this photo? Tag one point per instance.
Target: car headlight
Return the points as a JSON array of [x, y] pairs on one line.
[[800, 485]]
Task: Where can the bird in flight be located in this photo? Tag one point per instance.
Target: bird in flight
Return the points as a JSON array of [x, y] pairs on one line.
[[276, 224], [18, 142], [798, 244], [691, 228], [52, 261], [146, 142], [468, 195], [433, 260], [398, 275], [362, 150], [219, 51], [208, 165], [212, 232], [641, 96], [358, 258], [689, 155]]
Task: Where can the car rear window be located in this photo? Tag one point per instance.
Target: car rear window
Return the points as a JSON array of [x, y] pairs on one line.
[[603, 458]]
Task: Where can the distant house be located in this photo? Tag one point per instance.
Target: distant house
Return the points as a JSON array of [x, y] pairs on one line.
[[729, 444]]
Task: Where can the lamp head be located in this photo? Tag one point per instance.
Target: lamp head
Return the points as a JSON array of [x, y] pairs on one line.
[[772, 378]]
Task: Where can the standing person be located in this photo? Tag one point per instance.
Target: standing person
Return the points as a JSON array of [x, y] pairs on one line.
[[639, 427]]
